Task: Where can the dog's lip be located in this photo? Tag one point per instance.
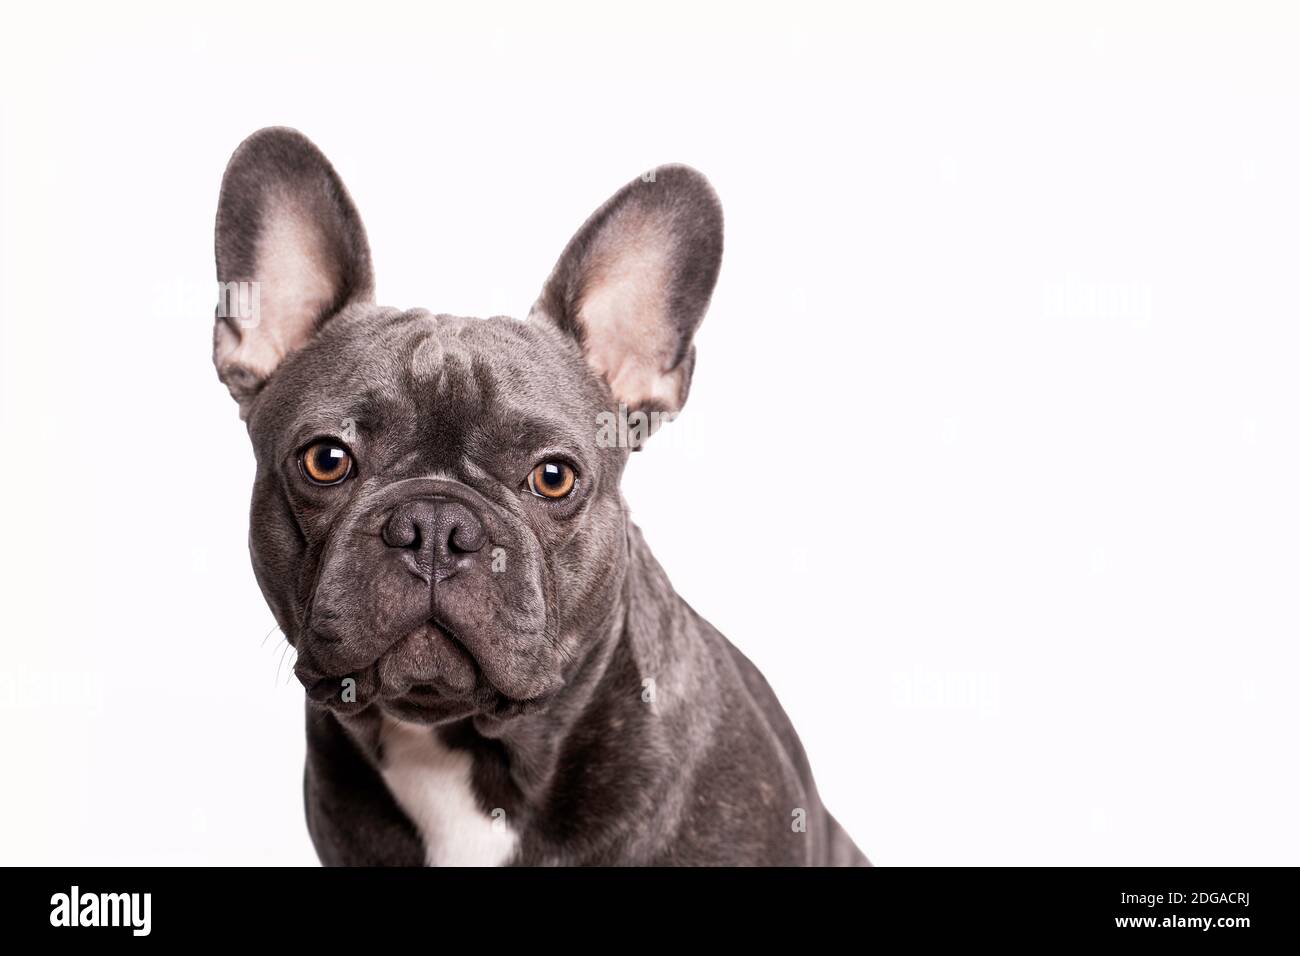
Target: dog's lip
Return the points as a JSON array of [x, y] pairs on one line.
[[482, 696], [375, 682]]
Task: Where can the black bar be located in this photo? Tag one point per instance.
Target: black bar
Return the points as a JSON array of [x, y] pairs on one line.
[[1242, 906]]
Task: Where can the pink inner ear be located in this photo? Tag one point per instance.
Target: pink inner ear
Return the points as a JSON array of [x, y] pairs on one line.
[[294, 285], [627, 330]]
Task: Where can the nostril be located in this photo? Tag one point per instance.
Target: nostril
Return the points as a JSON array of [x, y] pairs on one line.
[[459, 531], [402, 530], [466, 537], [400, 533]]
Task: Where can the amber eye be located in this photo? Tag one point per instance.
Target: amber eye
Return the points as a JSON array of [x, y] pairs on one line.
[[551, 479], [326, 463]]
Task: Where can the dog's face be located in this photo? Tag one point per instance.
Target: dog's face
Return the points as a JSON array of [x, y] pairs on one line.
[[436, 518]]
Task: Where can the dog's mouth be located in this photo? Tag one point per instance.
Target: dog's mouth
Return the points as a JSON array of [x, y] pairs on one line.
[[428, 676], [428, 666]]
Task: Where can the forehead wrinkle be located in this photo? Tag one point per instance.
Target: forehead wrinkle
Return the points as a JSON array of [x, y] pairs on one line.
[[422, 360], [376, 409], [531, 431], [460, 394], [484, 379]]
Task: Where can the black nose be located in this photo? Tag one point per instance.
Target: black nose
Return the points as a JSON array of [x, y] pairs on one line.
[[442, 534]]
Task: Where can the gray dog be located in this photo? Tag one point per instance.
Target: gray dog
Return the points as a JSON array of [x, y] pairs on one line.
[[497, 670]]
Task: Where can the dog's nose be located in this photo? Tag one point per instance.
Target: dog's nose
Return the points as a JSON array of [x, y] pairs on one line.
[[443, 534]]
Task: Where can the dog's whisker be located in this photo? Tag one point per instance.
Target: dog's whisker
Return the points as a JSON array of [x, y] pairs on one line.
[[274, 628], [280, 665]]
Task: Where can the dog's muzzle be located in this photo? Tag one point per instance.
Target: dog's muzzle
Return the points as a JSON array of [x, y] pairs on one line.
[[426, 591]]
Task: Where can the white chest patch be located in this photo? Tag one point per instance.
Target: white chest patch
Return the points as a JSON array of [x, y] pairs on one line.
[[431, 783]]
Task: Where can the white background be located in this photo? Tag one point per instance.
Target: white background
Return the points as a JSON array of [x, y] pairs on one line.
[[990, 461]]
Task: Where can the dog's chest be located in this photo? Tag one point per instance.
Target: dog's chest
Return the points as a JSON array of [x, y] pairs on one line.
[[431, 782]]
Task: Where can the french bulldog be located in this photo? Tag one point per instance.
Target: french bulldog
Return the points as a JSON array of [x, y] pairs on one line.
[[497, 671]]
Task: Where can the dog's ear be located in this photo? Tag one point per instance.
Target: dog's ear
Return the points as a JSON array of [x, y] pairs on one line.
[[634, 283], [291, 252]]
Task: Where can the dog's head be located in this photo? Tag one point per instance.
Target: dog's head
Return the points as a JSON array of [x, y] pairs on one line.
[[436, 516]]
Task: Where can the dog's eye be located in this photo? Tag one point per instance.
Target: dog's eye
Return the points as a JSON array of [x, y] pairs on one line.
[[551, 479], [326, 463]]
